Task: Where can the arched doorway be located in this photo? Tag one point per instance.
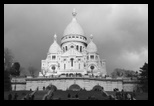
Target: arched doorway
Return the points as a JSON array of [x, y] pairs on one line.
[[97, 88], [75, 87], [51, 87]]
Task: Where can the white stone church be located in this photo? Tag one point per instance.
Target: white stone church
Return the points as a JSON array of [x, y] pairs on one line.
[[74, 55]]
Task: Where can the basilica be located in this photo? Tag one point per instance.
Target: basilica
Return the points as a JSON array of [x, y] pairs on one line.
[[75, 62], [74, 55]]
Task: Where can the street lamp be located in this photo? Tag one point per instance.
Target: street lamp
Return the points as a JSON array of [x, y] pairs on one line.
[[15, 66], [12, 66]]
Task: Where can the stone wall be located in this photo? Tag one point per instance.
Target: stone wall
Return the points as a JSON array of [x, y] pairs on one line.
[[84, 83], [19, 86], [65, 83], [130, 85], [18, 83]]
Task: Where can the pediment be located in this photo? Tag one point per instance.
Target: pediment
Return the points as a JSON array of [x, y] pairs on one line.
[[72, 52]]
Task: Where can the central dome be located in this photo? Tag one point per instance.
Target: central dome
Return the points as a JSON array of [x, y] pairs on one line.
[[73, 27]]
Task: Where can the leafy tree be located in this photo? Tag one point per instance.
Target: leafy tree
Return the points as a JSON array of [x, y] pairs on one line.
[[129, 73], [122, 73], [15, 69], [117, 73], [32, 70], [8, 58], [143, 79], [7, 81]]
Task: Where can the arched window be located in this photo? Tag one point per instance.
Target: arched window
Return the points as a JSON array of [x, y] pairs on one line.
[[72, 46], [87, 57], [71, 62], [66, 48], [92, 56], [77, 47], [80, 48], [64, 66], [53, 57]]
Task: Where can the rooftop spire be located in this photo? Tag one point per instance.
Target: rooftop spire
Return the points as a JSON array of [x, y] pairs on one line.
[[74, 13], [91, 37], [55, 37]]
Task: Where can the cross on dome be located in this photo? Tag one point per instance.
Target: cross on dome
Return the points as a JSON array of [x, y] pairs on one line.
[[74, 13], [91, 37], [92, 48], [55, 37]]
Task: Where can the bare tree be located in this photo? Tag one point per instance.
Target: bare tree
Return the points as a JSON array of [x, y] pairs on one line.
[[8, 58], [32, 70]]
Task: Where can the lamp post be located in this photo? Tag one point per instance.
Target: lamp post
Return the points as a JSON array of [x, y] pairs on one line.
[[12, 69], [15, 83], [15, 66]]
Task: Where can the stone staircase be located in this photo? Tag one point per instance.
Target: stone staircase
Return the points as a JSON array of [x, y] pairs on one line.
[[39, 94]]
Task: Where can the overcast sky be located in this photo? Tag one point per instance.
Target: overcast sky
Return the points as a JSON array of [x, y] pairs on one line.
[[120, 31]]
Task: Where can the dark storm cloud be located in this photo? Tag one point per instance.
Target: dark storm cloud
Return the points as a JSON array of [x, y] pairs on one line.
[[120, 31]]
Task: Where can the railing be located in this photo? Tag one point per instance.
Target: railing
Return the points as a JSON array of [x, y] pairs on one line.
[[48, 95], [30, 96]]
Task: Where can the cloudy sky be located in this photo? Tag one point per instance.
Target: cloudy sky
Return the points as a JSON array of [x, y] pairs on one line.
[[120, 31]]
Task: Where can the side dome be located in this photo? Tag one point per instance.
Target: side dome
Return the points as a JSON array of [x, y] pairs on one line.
[[92, 48], [54, 48]]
